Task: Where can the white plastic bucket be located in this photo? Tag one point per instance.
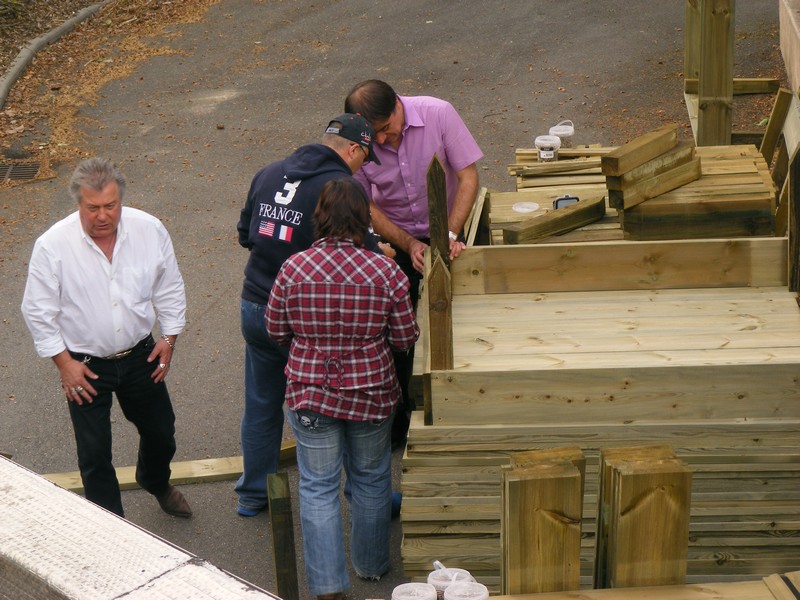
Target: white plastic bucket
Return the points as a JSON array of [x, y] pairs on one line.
[[548, 146], [414, 591], [443, 577], [466, 590], [564, 131]]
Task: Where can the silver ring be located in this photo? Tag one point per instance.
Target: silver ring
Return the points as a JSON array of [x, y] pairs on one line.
[[162, 365], [79, 389], [72, 389]]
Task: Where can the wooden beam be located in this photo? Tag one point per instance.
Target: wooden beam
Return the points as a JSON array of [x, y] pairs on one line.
[[679, 155], [777, 118], [556, 221], [620, 265], [715, 88], [691, 39], [185, 472], [477, 219], [741, 85], [794, 223], [284, 554], [659, 183], [640, 150], [437, 210], [440, 315]]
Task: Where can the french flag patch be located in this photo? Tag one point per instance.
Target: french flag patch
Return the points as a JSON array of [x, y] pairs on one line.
[[270, 229]]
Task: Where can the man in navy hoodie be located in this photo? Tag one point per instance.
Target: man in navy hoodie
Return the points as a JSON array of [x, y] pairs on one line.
[[274, 224]]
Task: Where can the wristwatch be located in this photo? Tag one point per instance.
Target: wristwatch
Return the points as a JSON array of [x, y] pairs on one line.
[[452, 235]]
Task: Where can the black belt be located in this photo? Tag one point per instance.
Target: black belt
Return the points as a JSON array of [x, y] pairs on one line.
[[118, 355]]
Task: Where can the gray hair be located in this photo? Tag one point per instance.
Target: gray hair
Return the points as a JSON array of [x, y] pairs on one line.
[[95, 173]]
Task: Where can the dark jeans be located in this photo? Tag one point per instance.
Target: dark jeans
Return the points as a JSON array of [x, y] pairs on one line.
[[145, 404], [404, 361]]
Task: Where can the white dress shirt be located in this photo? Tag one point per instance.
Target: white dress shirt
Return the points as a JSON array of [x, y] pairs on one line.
[[76, 299]]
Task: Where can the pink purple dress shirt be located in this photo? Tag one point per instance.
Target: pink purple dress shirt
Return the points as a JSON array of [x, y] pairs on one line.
[[399, 185]]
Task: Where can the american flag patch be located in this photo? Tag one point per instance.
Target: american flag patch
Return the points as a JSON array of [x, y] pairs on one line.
[[282, 232]]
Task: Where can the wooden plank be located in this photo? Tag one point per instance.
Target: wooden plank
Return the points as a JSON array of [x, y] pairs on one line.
[[777, 118], [477, 219], [542, 526], [656, 185], [715, 88], [557, 221], [437, 210], [681, 154], [691, 40], [184, 472], [640, 150], [741, 85], [794, 224], [284, 553], [621, 265]]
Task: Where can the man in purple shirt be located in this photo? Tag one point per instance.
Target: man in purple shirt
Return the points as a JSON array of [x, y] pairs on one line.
[[409, 130]]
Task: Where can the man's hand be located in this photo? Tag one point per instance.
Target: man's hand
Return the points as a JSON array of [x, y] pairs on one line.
[[75, 377], [163, 352], [417, 253]]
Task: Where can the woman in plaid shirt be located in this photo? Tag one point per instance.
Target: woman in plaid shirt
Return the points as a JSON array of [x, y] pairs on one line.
[[343, 309]]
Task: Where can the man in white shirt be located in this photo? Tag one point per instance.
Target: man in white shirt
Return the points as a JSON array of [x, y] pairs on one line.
[[97, 281]]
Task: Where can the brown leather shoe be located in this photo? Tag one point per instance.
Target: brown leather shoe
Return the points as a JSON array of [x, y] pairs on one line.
[[173, 503]]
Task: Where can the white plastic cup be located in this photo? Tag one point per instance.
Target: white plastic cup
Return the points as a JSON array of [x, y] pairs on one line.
[[414, 591], [564, 130], [548, 146], [466, 590], [442, 577]]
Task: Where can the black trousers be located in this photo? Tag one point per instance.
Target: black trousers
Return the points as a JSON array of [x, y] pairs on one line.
[[404, 361], [145, 404]]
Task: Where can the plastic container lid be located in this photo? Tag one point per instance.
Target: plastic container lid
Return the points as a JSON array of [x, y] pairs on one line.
[[442, 577], [414, 591], [547, 142], [466, 590], [563, 129]]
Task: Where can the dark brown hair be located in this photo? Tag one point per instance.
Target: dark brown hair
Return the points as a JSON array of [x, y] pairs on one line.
[[373, 99], [342, 211]]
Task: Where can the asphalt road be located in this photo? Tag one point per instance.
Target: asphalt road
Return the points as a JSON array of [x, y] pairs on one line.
[[251, 82]]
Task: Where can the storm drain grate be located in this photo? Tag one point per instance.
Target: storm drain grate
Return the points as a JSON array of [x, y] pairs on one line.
[[18, 171]]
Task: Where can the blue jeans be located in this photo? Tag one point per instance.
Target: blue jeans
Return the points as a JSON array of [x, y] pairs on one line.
[[262, 420], [363, 448], [145, 404]]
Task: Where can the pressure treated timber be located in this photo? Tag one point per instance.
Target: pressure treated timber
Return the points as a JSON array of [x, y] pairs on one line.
[[183, 472], [562, 220], [639, 150], [654, 186], [542, 508], [743, 590], [620, 265], [715, 86]]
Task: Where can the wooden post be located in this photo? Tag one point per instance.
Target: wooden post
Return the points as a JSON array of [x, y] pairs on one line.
[[282, 526], [715, 88], [794, 206], [691, 41], [440, 315], [437, 210], [541, 527]]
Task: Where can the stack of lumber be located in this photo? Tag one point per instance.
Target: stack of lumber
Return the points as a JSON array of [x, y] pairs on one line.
[[693, 344], [734, 197], [648, 166]]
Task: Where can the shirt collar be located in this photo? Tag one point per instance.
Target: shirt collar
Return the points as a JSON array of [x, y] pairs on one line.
[[412, 116]]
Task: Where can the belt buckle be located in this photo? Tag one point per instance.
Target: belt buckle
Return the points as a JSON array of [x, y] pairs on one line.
[[122, 354]]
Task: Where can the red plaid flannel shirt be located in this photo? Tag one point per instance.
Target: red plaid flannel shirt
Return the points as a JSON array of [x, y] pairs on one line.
[[342, 308]]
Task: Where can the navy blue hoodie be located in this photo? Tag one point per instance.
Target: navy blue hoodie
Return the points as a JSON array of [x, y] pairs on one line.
[[276, 219]]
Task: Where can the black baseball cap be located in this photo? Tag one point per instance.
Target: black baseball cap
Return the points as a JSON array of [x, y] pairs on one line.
[[357, 129]]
